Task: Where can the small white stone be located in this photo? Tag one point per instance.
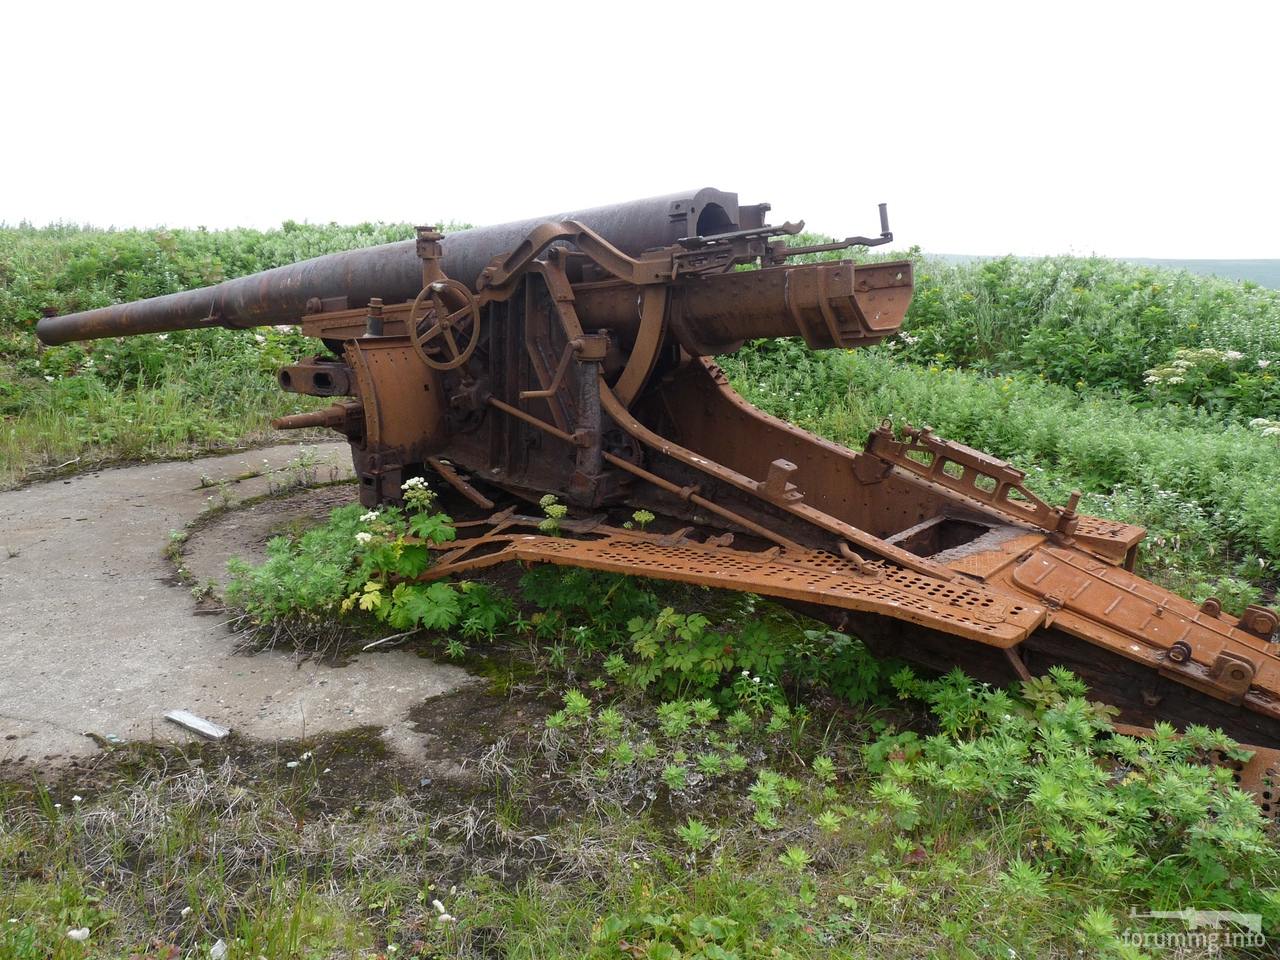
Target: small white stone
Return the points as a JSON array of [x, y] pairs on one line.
[[78, 934], [218, 950]]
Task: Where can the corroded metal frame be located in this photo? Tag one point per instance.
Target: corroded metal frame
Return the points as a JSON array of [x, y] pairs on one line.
[[586, 372]]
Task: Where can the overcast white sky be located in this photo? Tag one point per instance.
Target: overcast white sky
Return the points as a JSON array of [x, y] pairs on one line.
[[1129, 129]]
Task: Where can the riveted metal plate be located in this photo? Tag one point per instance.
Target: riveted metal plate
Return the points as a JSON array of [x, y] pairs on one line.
[[962, 609], [1139, 620]]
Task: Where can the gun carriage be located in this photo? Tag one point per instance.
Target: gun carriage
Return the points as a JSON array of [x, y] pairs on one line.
[[573, 354]]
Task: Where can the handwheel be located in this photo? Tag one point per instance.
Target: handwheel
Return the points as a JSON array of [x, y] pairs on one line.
[[447, 320]]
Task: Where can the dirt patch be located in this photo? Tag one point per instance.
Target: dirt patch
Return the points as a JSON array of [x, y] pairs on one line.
[[463, 727], [326, 773]]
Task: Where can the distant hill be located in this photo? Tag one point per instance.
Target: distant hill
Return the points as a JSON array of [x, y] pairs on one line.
[[1265, 273]]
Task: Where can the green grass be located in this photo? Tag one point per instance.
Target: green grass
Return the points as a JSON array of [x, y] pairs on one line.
[[214, 394], [142, 397], [1021, 827]]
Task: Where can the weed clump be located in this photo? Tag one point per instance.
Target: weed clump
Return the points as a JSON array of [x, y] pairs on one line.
[[364, 561]]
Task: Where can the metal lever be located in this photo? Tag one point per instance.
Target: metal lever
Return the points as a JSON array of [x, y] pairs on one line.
[[587, 347], [570, 348], [787, 229], [886, 236]]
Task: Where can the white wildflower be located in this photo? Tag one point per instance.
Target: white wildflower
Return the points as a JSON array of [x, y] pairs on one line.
[[1233, 355], [76, 798], [1271, 432], [162, 336], [49, 378], [78, 934], [259, 338], [1259, 422], [413, 483], [369, 517], [444, 916], [1176, 380], [1263, 364], [363, 537]]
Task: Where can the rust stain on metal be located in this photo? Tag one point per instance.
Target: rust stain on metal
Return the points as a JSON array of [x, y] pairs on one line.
[[571, 354]]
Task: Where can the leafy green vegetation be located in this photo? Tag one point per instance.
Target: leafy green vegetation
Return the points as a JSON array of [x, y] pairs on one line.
[[1092, 323], [732, 815], [785, 806]]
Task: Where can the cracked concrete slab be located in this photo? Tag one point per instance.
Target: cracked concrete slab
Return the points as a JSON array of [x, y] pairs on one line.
[[97, 636]]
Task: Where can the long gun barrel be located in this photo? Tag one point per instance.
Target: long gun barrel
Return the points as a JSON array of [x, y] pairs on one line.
[[393, 271]]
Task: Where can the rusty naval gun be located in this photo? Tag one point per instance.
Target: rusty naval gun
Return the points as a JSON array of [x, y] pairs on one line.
[[573, 354]]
